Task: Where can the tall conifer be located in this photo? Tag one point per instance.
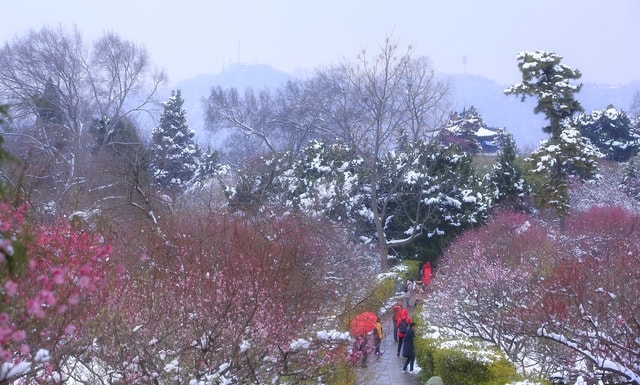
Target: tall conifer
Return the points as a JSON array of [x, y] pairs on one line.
[[175, 155]]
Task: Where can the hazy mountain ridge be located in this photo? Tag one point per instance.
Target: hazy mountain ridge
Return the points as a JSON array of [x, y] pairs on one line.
[[496, 108]]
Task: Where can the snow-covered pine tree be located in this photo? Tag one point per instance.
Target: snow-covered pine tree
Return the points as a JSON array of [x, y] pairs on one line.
[[566, 153], [462, 128], [175, 155], [505, 183], [612, 131]]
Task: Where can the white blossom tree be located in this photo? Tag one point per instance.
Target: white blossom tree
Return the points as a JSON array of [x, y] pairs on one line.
[[553, 301]]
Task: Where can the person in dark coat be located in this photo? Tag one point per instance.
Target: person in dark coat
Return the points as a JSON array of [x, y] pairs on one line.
[[407, 348]]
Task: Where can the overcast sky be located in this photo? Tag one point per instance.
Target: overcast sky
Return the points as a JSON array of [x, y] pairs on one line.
[[192, 37]]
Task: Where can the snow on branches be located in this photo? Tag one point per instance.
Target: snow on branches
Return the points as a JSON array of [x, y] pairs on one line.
[[552, 301]]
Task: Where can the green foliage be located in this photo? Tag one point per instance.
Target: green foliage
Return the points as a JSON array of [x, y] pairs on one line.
[[474, 365], [208, 165], [439, 194], [339, 373], [505, 182], [612, 132], [545, 78], [118, 136], [425, 349], [4, 155], [568, 155], [48, 106], [175, 155], [379, 295], [15, 238], [631, 179], [412, 269]]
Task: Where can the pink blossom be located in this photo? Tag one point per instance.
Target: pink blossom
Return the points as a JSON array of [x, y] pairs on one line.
[[43, 279], [5, 226], [34, 308], [4, 318], [25, 349], [74, 299], [58, 275], [19, 335], [48, 297], [104, 252], [85, 270], [69, 329], [84, 281], [5, 355], [5, 334], [11, 288], [121, 269]]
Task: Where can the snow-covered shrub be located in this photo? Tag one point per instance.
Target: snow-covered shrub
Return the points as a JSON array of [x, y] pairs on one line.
[[464, 361]]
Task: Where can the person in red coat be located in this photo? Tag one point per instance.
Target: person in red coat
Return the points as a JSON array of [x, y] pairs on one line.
[[426, 273], [396, 316], [403, 325]]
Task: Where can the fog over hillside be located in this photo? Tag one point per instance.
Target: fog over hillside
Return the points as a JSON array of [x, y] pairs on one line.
[[496, 108]]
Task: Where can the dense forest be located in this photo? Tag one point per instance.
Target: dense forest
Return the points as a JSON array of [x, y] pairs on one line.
[[132, 255]]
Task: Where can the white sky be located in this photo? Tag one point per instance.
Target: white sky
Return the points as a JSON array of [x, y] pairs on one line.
[[192, 37]]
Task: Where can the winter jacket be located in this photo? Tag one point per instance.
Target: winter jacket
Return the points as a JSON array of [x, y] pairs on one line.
[[378, 331], [404, 314], [407, 343], [426, 273]]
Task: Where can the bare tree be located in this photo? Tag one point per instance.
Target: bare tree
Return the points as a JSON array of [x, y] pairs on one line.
[[375, 105], [58, 89], [387, 101]]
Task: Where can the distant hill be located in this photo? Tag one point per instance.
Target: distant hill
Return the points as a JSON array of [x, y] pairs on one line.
[[496, 108]]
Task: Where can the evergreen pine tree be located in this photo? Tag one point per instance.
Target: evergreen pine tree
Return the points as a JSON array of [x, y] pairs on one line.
[[612, 131], [566, 153], [175, 155], [505, 183]]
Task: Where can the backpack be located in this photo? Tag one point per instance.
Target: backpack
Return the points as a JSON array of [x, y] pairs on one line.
[[403, 326]]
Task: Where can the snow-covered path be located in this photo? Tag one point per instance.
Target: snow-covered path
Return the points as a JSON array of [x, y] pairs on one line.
[[387, 368]]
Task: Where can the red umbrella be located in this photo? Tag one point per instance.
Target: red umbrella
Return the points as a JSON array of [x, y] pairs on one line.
[[363, 323]]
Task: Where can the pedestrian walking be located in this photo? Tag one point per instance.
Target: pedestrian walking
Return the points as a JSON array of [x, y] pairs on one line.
[[395, 317], [410, 294], [407, 348], [364, 350], [377, 337], [403, 325], [426, 273]]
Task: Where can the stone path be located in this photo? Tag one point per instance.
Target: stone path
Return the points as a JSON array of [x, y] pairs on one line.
[[386, 369]]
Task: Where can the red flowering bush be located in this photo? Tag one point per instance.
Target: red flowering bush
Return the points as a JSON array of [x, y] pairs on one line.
[[221, 297], [53, 279]]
